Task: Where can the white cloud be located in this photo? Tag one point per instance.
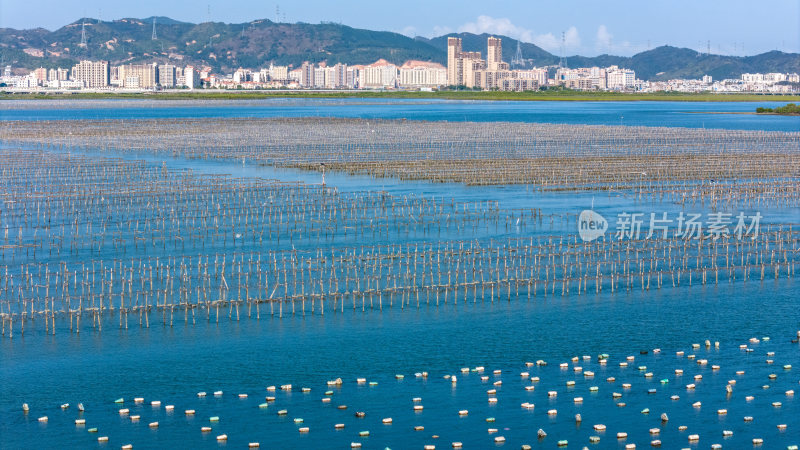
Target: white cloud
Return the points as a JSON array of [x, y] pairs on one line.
[[552, 43], [409, 31], [572, 37], [504, 26], [441, 30], [490, 25], [603, 37]]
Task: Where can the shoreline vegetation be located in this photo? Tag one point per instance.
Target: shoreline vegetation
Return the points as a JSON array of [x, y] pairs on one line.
[[790, 109], [560, 95]]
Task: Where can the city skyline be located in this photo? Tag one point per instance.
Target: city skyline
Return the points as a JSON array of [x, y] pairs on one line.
[[626, 29]]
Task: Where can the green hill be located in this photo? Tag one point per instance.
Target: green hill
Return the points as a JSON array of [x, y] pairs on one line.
[[222, 46], [226, 47]]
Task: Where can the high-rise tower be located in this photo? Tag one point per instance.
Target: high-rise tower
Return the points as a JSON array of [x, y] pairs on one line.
[[495, 53], [453, 52]]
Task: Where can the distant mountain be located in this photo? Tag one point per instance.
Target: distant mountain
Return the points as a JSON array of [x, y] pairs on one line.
[[226, 47], [661, 63], [222, 46], [667, 62]]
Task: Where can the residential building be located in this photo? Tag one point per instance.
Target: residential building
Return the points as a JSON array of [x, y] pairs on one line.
[[93, 74], [380, 74], [191, 77], [139, 76], [417, 74], [279, 73], [307, 75], [167, 76]]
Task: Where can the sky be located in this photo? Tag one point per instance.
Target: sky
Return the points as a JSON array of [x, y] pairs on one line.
[[620, 27]]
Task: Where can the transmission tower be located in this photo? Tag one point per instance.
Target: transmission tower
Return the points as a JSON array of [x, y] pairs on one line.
[[518, 61], [562, 63], [83, 34], [154, 30]]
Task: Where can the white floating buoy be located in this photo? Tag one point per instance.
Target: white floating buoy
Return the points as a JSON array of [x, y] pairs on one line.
[[80, 421], [222, 437], [43, 419]]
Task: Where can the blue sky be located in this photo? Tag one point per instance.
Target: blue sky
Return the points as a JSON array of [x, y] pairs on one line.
[[620, 27]]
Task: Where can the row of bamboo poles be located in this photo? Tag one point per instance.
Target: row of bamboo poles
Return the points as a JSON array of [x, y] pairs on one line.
[[543, 156], [378, 277]]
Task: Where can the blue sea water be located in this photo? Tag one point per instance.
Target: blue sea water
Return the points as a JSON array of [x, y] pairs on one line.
[[672, 114], [172, 364]]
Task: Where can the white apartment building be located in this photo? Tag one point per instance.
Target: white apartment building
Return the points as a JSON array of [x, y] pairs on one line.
[[537, 75], [241, 75], [307, 75], [620, 79], [139, 76], [191, 77], [379, 74], [93, 74], [753, 77], [167, 76], [422, 75], [280, 73]]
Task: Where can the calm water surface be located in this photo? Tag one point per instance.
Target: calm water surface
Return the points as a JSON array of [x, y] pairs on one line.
[[674, 114], [172, 364]]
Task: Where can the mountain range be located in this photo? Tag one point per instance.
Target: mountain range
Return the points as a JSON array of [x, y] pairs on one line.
[[226, 47]]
